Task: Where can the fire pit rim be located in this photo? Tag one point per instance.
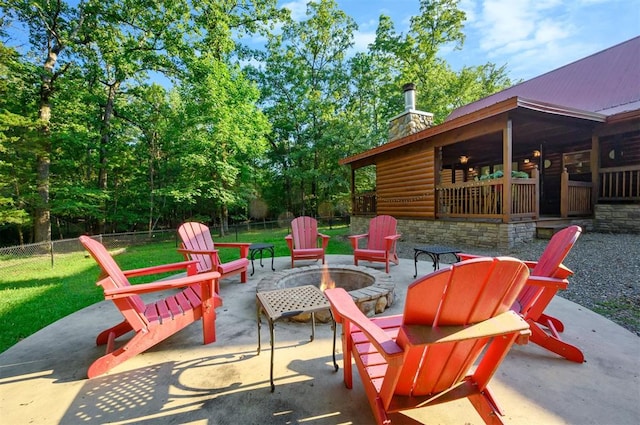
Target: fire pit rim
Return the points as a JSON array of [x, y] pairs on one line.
[[381, 281]]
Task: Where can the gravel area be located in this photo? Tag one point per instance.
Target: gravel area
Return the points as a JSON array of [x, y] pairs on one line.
[[606, 267]]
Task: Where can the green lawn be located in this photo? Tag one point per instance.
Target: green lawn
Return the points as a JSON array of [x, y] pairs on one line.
[[33, 297]]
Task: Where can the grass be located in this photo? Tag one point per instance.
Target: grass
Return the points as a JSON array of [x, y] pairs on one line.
[[622, 310], [36, 295]]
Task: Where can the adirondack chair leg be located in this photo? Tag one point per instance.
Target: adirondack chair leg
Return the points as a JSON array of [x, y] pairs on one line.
[[550, 321], [112, 333], [243, 277], [485, 405], [555, 345], [136, 345], [380, 413], [209, 316]]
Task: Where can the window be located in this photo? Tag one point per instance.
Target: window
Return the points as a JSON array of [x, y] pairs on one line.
[[577, 162]]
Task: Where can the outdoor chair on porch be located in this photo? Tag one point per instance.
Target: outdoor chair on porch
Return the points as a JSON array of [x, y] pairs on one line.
[[536, 295], [424, 357], [304, 242], [198, 245], [190, 298], [380, 242]]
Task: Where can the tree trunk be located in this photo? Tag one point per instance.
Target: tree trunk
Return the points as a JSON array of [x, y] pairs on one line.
[[105, 134], [152, 156], [42, 215]]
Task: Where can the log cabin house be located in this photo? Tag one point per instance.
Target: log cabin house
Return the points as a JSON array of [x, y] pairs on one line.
[[565, 144]]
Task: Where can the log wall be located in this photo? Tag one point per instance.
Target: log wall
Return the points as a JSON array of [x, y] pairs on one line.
[[406, 184]]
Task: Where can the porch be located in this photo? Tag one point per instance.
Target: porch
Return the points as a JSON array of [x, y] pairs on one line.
[[483, 210], [487, 199]]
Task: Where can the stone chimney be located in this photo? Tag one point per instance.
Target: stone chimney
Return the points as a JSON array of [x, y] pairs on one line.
[[411, 120]]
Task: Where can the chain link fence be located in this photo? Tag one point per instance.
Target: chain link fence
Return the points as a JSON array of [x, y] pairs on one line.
[[44, 254]]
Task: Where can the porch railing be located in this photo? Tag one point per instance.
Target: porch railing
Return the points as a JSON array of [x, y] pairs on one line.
[[364, 204], [485, 199], [575, 197], [620, 184]]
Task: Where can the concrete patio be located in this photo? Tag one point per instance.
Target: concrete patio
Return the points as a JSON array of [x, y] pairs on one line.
[[180, 381]]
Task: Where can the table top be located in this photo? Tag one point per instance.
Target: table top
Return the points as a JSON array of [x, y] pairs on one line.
[[437, 249], [260, 245], [292, 301]]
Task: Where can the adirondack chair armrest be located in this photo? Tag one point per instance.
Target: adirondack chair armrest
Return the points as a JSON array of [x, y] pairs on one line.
[[162, 285], [344, 308], [390, 240], [356, 238], [289, 240], [464, 256], [190, 266], [562, 272], [243, 246], [548, 282], [325, 240], [506, 323]]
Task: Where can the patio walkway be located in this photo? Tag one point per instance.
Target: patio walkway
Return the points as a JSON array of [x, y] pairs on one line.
[[43, 378]]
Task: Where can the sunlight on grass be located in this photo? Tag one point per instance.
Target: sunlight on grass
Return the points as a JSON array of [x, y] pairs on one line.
[[34, 295], [13, 298]]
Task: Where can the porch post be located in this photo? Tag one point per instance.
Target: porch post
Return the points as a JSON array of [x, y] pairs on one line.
[[507, 148], [353, 190], [595, 171]]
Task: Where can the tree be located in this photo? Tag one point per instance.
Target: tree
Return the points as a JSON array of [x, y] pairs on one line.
[[15, 125], [304, 89], [216, 132], [439, 24], [52, 28]]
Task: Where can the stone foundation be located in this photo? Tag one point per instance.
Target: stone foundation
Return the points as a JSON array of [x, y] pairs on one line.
[[617, 218], [463, 233]]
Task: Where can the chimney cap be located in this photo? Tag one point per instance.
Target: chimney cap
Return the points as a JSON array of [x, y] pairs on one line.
[[408, 86]]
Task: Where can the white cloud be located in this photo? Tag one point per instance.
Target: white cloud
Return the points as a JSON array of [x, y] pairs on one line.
[[524, 32], [298, 9], [361, 41]]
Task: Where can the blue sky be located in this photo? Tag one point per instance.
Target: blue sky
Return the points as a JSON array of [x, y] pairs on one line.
[[531, 37]]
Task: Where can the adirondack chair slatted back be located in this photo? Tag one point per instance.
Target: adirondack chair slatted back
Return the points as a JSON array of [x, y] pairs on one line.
[[380, 227], [469, 293], [304, 231], [196, 236], [549, 263], [113, 277]]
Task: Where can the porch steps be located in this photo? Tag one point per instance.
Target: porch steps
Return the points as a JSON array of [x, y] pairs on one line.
[[546, 231], [548, 226]]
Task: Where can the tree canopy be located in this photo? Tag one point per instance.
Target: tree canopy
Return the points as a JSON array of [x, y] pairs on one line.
[[120, 115]]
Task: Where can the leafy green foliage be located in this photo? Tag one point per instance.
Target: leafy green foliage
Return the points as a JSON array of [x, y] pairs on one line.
[[87, 137]]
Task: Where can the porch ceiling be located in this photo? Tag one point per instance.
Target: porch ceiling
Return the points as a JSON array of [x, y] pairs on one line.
[[532, 123], [530, 129]]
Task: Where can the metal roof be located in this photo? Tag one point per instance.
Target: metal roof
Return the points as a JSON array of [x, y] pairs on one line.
[[607, 82]]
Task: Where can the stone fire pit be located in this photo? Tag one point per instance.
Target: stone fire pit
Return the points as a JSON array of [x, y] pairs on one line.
[[373, 291]]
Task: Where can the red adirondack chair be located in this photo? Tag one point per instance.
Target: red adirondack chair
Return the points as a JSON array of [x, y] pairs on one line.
[[380, 242], [198, 245], [304, 242], [424, 356], [536, 296], [152, 322]]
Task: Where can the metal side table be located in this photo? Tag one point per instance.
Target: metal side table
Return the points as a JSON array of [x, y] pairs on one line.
[[288, 302], [260, 248], [433, 251]]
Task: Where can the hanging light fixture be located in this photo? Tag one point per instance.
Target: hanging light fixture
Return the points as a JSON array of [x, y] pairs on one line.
[[463, 159]]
